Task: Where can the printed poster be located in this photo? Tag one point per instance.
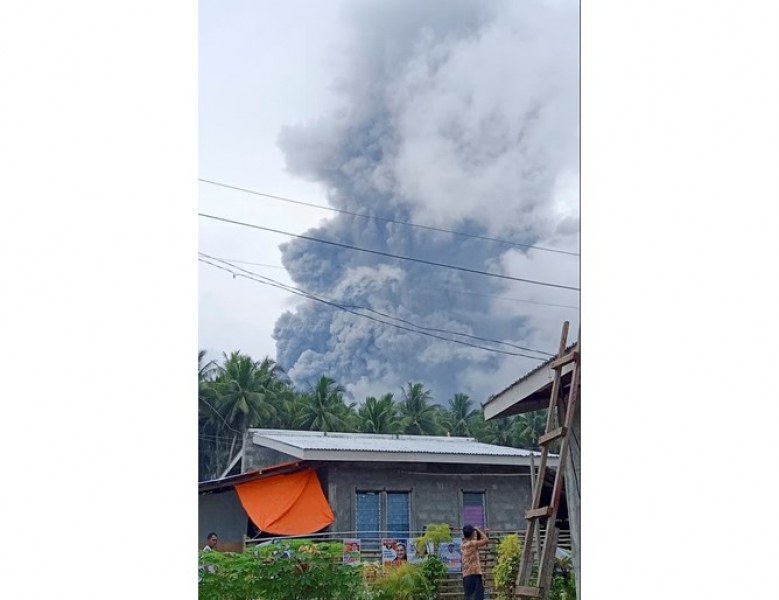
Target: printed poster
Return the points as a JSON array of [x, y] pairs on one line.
[[352, 548], [414, 557], [451, 555], [394, 551]]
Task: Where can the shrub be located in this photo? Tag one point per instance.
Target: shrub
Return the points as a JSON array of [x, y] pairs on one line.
[[435, 534], [563, 583], [290, 570], [406, 582], [507, 568]]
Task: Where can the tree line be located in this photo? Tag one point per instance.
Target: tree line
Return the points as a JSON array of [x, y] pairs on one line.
[[238, 393]]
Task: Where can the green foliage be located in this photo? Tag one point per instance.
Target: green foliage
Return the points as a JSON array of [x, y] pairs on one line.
[[324, 408], [238, 393], [563, 588], [563, 583], [292, 570], [509, 554], [406, 582], [379, 416], [418, 416], [459, 418], [434, 571], [435, 533]]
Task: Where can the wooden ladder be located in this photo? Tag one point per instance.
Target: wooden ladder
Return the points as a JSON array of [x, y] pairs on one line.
[[563, 415]]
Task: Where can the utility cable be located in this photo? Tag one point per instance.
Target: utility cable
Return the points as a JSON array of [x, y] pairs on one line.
[[358, 307], [338, 306], [432, 289], [386, 219], [387, 254]]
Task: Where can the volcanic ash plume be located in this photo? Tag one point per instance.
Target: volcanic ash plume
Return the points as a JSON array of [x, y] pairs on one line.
[[456, 115]]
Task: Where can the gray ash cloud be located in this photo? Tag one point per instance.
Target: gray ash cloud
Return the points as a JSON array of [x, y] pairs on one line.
[[459, 115]]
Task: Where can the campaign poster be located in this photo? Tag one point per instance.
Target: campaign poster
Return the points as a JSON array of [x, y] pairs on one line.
[[352, 548], [451, 555], [394, 551], [415, 557]]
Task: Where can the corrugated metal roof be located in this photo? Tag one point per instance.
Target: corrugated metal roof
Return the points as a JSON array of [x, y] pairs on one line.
[[253, 475], [381, 443], [543, 366]]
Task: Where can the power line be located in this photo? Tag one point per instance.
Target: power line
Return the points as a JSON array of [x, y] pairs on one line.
[[434, 289], [273, 283], [218, 414], [387, 254], [445, 289], [386, 219], [246, 262], [358, 307], [468, 335]]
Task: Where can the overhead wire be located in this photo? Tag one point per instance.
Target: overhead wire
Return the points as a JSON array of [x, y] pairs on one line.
[[359, 307], [433, 289], [389, 255], [386, 219], [268, 281]]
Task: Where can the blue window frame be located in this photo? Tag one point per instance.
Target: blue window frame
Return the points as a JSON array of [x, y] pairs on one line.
[[368, 518], [381, 514], [398, 514]]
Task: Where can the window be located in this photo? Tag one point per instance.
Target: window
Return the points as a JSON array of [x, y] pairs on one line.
[[381, 514], [473, 509], [397, 514], [368, 518]]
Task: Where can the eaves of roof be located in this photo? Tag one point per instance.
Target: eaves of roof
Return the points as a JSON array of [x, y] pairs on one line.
[[529, 392], [214, 485]]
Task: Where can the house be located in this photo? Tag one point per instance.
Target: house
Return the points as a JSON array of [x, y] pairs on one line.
[[533, 392], [367, 486]]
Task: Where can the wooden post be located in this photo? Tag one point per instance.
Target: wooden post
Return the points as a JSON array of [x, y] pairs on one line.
[[533, 483]]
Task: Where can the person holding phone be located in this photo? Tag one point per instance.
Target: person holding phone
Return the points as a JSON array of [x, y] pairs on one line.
[[474, 539]]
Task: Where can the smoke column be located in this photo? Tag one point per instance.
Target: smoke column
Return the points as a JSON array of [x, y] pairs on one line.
[[458, 115]]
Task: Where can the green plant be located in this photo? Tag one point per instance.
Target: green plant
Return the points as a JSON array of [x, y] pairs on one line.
[[291, 570], [406, 582], [563, 582], [563, 588], [434, 571], [435, 534], [509, 554]]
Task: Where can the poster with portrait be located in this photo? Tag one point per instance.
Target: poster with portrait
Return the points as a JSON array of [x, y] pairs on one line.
[[451, 555], [415, 557], [394, 551], [352, 549]]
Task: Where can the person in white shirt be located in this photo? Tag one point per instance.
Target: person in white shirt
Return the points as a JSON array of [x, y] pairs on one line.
[[211, 541]]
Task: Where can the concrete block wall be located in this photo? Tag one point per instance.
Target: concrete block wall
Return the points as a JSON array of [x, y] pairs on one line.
[[436, 491], [221, 512], [257, 457]]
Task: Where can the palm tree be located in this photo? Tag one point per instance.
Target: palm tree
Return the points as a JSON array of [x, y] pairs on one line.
[[240, 399], [498, 431], [458, 419], [289, 405], [324, 408], [418, 417], [529, 427], [205, 371], [379, 416], [243, 392]]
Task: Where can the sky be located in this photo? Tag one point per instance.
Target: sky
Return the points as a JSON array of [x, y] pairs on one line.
[[100, 234], [262, 65], [457, 115]]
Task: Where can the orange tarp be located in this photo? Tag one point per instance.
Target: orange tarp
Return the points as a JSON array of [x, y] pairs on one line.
[[291, 504]]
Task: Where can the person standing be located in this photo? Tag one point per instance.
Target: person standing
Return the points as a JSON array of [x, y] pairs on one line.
[[211, 541], [474, 539]]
